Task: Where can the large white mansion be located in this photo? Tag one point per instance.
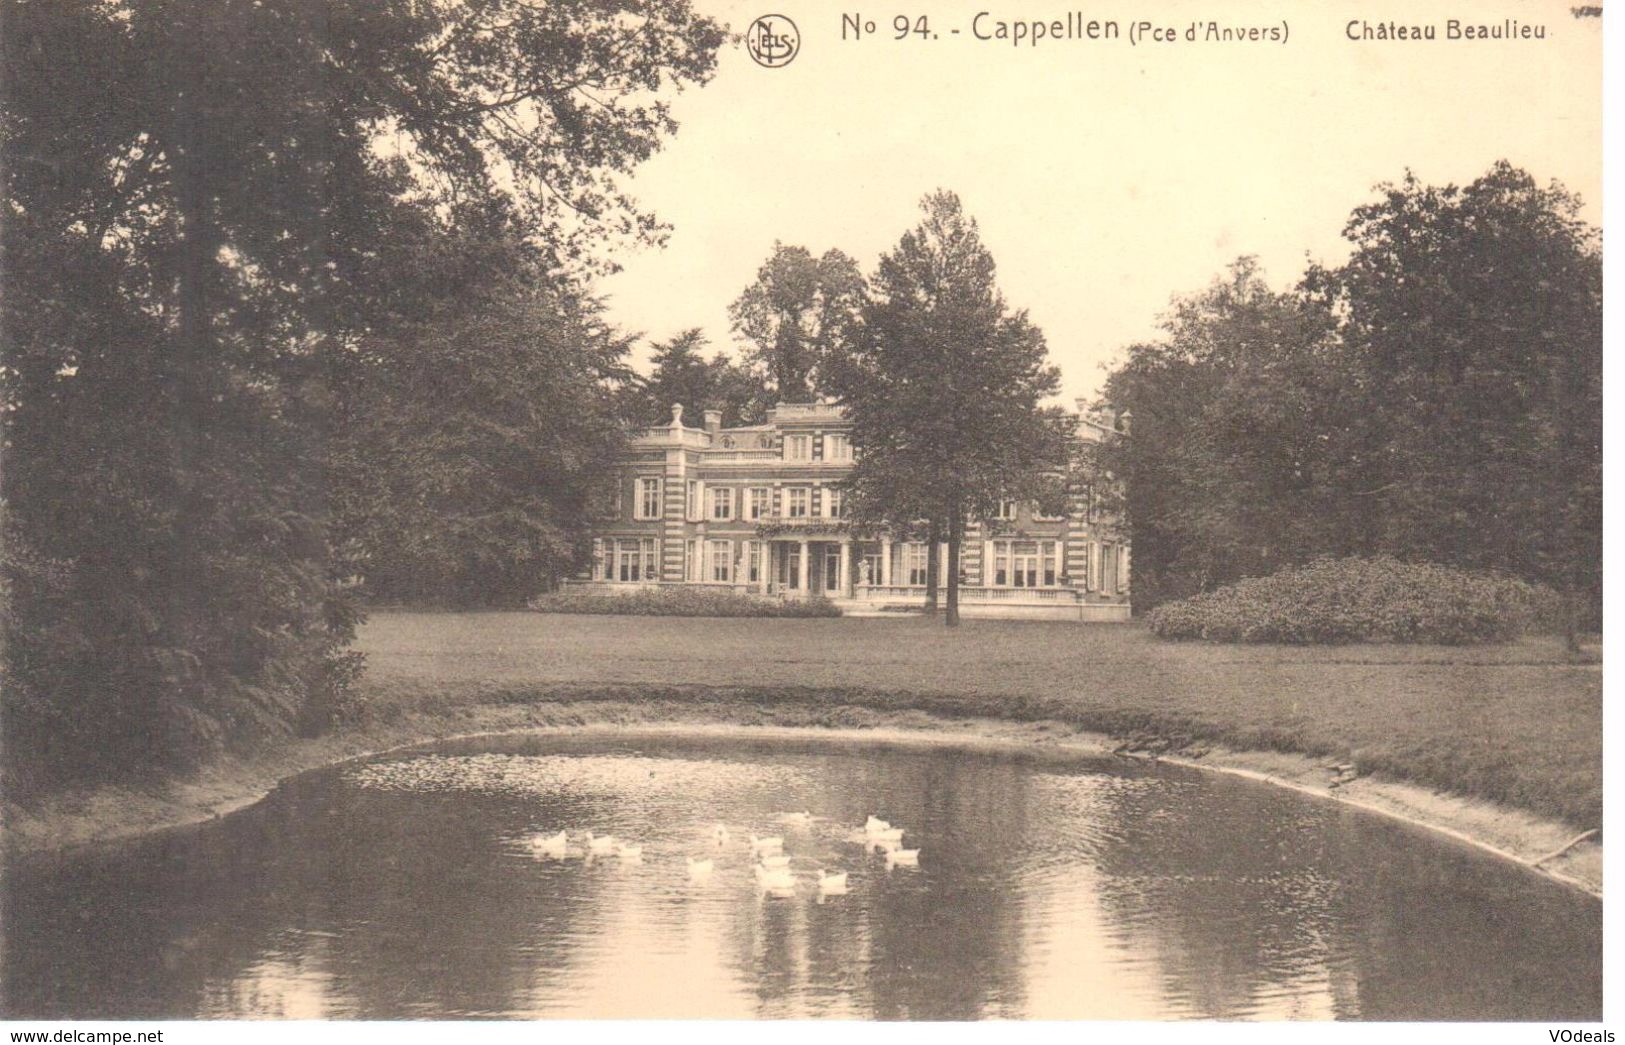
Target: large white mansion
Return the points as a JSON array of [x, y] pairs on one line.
[[757, 510]]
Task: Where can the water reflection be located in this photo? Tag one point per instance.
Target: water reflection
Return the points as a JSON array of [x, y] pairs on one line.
[[405, 889]]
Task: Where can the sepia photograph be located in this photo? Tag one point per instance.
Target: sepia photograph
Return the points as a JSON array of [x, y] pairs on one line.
[[710, 511]]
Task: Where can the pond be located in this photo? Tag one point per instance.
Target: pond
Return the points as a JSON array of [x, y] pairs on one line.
[[408, 887]]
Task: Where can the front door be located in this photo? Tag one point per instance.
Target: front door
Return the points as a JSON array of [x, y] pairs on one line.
[[832, 570], [789, 567]]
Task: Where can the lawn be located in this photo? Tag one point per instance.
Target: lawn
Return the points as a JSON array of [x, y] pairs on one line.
[[1516, 723]]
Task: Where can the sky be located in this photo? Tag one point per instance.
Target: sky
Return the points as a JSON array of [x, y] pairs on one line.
[[1107, 177]]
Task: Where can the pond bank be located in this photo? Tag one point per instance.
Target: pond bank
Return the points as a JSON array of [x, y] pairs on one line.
[[218, 790]]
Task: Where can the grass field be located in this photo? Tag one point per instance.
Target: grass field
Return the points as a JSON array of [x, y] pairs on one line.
[[1516, 723]]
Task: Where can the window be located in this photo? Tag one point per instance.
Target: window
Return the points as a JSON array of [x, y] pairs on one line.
[[648, 497], [1025, 564], [798, 448], [1056, 511], [834, 503], [722, 561], [631, 559], [722, 503], [753, 562], [837, 448], [796, 498], [761, 503], [915, 562], [692, 510], [1005, 510], [691, 560]]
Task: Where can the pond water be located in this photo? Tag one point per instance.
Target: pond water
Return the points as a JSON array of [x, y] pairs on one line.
[[406, 887]]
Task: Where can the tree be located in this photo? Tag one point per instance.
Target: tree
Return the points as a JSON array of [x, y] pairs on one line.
[[797, 312], [209, 205], [681, 374], [1437, 397], [1478, 315], [476, 444], [1245, 438], [943, 386]]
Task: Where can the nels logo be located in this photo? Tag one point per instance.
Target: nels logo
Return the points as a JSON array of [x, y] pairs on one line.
[[773, 41]]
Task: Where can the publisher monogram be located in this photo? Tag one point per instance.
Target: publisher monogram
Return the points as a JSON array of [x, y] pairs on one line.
[[773, 41]]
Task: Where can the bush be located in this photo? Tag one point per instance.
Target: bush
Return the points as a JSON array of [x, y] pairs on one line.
[[681, 602], [1359, 600]]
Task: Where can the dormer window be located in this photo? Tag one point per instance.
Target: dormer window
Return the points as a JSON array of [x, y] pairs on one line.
[[798, 448], [837, 447]]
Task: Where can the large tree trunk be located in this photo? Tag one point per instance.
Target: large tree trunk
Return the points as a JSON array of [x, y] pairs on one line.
[[932, 536], [955, 539]]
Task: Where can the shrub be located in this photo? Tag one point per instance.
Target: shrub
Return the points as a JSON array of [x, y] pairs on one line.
[[681, 602], [1359, 600]]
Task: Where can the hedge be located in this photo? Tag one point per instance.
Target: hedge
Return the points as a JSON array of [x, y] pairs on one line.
[[1381, 599], [681, 602]]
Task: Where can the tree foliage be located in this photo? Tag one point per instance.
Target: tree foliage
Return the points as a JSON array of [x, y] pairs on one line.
[[943, 385], [1240, 445], [1477, 313], [1437, 397], [798, 312], [209, 204], [474, 446], [680, 373]]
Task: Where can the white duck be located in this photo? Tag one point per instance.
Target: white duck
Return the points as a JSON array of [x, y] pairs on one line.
[[700, 868], [831, 883], [760, 846], [601, 845], [903, 858], [874, 823], [775, 879], [556, 846], [631, 853], [891, 836], [775, 862]]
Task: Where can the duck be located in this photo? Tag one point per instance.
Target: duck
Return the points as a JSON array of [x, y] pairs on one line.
[[903, 858], [890, 836], [550, 845], [700, 868], [601, 845], [874, 823], [775, 862], [775, 879], [830, 882], [775, 844], [628, 852]]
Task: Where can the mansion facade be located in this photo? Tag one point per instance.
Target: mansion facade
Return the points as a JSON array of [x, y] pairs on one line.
[[758, 510]]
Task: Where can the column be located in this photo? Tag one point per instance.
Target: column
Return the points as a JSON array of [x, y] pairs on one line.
[[846, 568], [802, 582], [885, 562], [764, 564], [942, 568]]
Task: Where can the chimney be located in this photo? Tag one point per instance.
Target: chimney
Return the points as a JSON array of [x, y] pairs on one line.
[[713, 421]]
